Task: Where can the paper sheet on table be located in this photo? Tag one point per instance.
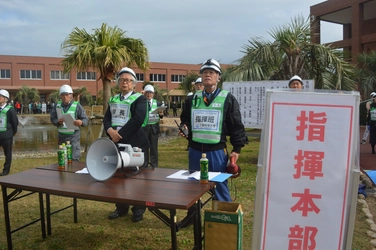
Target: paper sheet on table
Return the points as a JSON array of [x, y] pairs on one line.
[[68, 119], [82, 171], [157, 110], [213, 176]]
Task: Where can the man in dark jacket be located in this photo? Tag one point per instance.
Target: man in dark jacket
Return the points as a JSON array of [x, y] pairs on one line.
[[123, 121], [210, 115], [8, 128]]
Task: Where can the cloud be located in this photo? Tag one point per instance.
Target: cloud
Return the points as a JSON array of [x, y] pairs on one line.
[[181, 31]]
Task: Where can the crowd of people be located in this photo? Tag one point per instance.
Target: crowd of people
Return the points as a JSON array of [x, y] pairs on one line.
[[38, 107]]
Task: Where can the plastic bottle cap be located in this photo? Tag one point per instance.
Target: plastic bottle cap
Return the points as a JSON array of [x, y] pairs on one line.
[[60, 147], [68, 142], [203, 155]]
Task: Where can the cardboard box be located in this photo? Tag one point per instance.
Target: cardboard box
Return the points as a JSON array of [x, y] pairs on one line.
[[223, 226]]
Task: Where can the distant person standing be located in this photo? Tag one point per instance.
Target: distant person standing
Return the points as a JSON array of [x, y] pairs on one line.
[[68, 106], [152, 127], [174, 109], [372, 124], [366, 131], [8, 128]]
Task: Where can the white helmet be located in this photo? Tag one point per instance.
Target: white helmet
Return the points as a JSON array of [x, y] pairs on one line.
[[211, 64], [149, 88], [66, 89], [190, 93], [199, 80], [296, 78], [373, 95], [127, 70], [4, 93]]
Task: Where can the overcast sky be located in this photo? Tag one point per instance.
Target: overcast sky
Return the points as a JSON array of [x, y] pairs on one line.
[[174, 31]]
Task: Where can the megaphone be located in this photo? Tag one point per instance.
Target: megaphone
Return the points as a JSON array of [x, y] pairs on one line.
[[105, 157]]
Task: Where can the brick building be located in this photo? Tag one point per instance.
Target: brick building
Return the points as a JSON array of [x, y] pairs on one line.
[[358, 19], [46, 75]]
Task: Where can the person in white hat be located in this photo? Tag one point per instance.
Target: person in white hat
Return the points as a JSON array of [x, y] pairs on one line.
[[366, 131], [8, 128], [68, 106], [296, 82], [211, 116], [198, 84], [123, 121], [152, 128]]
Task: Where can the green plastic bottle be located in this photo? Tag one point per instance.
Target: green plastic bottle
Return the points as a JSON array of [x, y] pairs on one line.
[[65, 154], [69, 152], [60, 158], [204, 169]]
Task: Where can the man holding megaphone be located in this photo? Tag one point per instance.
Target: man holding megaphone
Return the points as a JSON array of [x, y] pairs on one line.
[[123, 122]]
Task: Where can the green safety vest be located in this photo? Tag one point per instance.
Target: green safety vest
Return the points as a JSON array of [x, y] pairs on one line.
[[207, 121], [72, 110], [153, 118], [120, 110], [4, 119], [372, 112]]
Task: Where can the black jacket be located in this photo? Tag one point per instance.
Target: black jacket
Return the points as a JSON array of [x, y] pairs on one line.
[[11, 124], [232, 126], [132, 131]]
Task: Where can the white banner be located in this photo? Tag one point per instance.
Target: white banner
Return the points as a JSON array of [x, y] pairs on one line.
[[308, 166], [251, 98]]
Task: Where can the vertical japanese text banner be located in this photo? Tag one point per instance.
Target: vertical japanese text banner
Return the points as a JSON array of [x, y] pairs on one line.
[[309, 168]]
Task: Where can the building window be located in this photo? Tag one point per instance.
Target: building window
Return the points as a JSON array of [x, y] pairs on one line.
[[86, 76], [4, 73], [157, 77], [177, 78], [30, 74], [59, 75], [140, 77]]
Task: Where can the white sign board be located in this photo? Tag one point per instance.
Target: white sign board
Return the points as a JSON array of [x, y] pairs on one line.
[[309, 155], [251, 98]]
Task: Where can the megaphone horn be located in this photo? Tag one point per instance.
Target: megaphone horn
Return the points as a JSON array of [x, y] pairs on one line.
[[104, 158]]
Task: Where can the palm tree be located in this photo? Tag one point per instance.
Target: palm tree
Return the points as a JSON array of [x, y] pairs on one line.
[[367, 72], [292, 53], [83, 96], [27, 95], [107, 50], [186, 84]]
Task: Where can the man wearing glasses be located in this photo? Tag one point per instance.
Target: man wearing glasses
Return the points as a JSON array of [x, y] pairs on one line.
[[123, 122], [210, 116]]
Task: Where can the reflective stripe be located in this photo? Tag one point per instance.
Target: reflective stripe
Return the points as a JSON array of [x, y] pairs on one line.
[[207, 136]]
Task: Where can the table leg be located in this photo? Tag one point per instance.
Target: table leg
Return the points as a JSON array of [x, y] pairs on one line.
[[6, 217], [197, 231], [174, 244], [75, 210], [42, 220], [48, 211]]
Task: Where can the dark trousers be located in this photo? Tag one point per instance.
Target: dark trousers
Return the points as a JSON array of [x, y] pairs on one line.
[[153, 141], [7, 147], [136, 209]]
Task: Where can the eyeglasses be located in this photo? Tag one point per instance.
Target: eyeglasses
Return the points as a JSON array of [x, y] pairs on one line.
[[122, 80]]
